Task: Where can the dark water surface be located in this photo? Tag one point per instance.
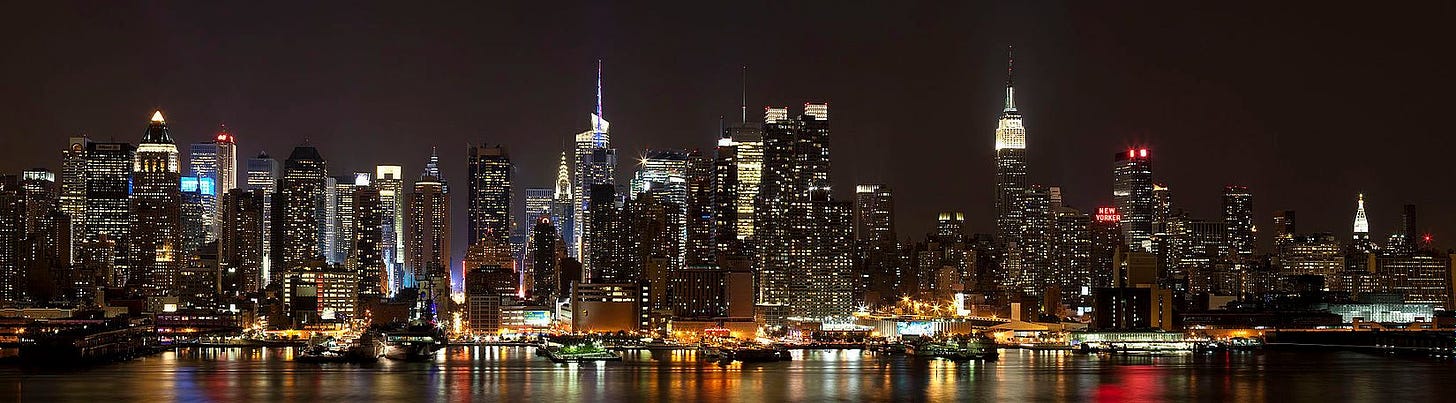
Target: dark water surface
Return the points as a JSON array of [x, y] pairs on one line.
[[463, 374]]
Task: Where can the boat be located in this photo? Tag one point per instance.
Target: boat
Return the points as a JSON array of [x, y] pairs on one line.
[[414, 343], [709, 352], [1135, 342], [110, 342], [889, 348], [756, 353], [327, 349], [576, 350], [955, 349]]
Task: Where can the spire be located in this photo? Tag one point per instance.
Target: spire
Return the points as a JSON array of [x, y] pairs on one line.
[[599, 120], [1362, 225], [432, 166], [1010, 81], [563, 180], [157, 117], [744, 104]]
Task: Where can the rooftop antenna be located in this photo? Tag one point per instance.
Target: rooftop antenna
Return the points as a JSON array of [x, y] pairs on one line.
[[743, 106]]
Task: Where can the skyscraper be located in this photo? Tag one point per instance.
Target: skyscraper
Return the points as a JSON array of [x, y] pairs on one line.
[[605, 224], [596, 163], [390, 181], [1361, 231], [204, 163], [1011, 165], [366, 248], [663, 173], [699, 247], [725, 197], [427, 236], [240, 241], [12, 233], [538, 202], [543, 260], [194, 208], [108, 204], [874, 235], [874, 215], [822, 257], [156, 202], [564, 208], [73, 184], [328, 220], [1132, 193], [343, 194], [746, 142], [803, 235], [1238, 212], [227, 160], [297, 210], [263, 173], [1284, 227], [489, 199]]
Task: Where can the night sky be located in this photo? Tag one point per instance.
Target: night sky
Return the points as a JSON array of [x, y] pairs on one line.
[[1307, 106]]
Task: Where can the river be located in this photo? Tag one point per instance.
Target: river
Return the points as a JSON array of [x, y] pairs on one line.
[[463, 374]]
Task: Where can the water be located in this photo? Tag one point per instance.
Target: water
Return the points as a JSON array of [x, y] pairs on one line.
[[463, 374]]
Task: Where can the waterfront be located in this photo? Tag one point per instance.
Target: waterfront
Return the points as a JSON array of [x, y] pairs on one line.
[[516, 374]]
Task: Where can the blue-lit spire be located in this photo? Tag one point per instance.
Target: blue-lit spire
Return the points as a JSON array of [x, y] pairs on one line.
[[599, 120]]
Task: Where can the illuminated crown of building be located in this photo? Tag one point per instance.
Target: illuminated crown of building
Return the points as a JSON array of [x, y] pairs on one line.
[[1009, 132], [563, 180], [1362, 225]]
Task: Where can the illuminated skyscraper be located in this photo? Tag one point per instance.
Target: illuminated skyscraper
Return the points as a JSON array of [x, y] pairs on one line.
[[108, 204], [699, 248], [805, 239], [240, 241], [343, 217], [1132, 193], [427, 236], [1011, 165], [390, 181], [203, 165], [874, 233], [328, 219], [1361, 231], [73, 185], [298, 209], [1238, 212], [194, 207], [564, 208], [214, 164], [1035, 272], [538, 202], [596, 163], [543, 261], [365, 250], [12, 233], [227, 160], [263, 173], [489, 199], [747, 147], [156, 202], [664, 174], [821, 253]]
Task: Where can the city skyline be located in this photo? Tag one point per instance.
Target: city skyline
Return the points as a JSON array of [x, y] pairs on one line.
[[788, 201], [1188, 134]]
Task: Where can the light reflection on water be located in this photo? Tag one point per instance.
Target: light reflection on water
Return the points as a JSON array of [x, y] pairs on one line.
[[517, 374]]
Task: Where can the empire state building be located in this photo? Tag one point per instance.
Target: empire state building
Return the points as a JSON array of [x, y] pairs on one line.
[[1010, 166]]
